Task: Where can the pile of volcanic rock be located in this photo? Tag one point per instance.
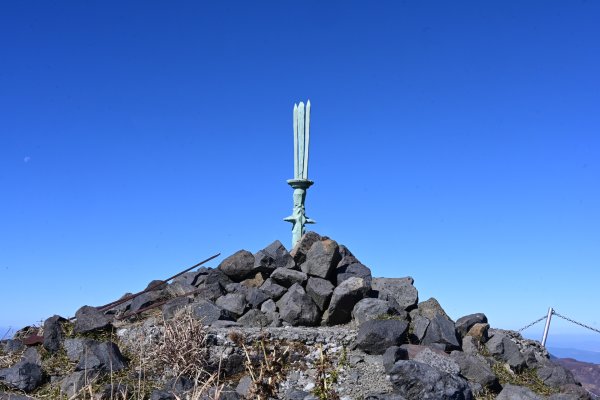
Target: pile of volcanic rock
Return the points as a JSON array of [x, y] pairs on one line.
[[423, 353]]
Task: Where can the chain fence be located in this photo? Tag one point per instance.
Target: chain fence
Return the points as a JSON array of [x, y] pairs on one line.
[[560, 316]]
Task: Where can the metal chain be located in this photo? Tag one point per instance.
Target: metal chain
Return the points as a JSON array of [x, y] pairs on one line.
[[531, 324], [575, 322]]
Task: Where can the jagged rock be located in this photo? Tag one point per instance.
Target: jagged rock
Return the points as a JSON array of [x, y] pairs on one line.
[[470, 345], [376, 336], [180, 288], [571, 391], [400, 292], [438, 360], [288, 277], [32, 355], [429, 309], [89, 319], [73, 383], [294, 394], [254, 318], [321, 259], [297, 308], [208, 312], [101, 356], [355, 269], [74, 347], [343, 300], [391, 355], [512, 392], [464, 324], [479, 332], [555, 375], [235, 303], [254, 282], [238, 266], [274, 290], [441, 330], [243, 387], [298, 253], [191, 276], [53, 333], [171, 307], [476, 369], [23, 376], [10, 346], [145, 300], [209, 291], [268, 306], [418, 328], [156, 285], [347, 257], [320, 290], [273, 256], [501, 346], [213, 276], [415, 380], [368, 308], [255, 297]]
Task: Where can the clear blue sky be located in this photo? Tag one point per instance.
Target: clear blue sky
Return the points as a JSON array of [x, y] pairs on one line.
[[455, 142]]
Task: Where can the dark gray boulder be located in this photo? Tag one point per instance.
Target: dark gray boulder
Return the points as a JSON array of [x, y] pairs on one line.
[[238, 266], [513, 392], [415, 380], [464, 324], [505, 349], [429, 309], [89, 319], [74, 382], [179, 288], [74, 347], [272, 257], [255, 297], [476, 369], [321, 259], [344, 298], [391, 355], [254, 318], [156, 285], [368, 308], [146, 299], [418, 328], [354, 269], [209, 291], [555, 375], [23, 376], [213, 276], [297, 308], [320, 290], [208, 312], [32, 355], [10, 346], [268, 306], [376, 336], [400, 292], [171, 307], [441, 330], [299, 251], [14, 396], [53, 333], [234, 303], [101, 356], [287, 277], [273, 289]]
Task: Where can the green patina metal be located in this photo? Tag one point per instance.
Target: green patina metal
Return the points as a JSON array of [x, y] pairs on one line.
[[300, 183]]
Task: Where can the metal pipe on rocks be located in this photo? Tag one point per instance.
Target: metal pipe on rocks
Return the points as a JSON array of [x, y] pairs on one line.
[[113, 304]]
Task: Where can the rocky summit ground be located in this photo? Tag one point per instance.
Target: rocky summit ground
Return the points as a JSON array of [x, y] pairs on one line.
[[307, 324]]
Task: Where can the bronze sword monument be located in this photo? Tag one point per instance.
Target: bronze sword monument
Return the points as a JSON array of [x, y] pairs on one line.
[[300, 183]]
